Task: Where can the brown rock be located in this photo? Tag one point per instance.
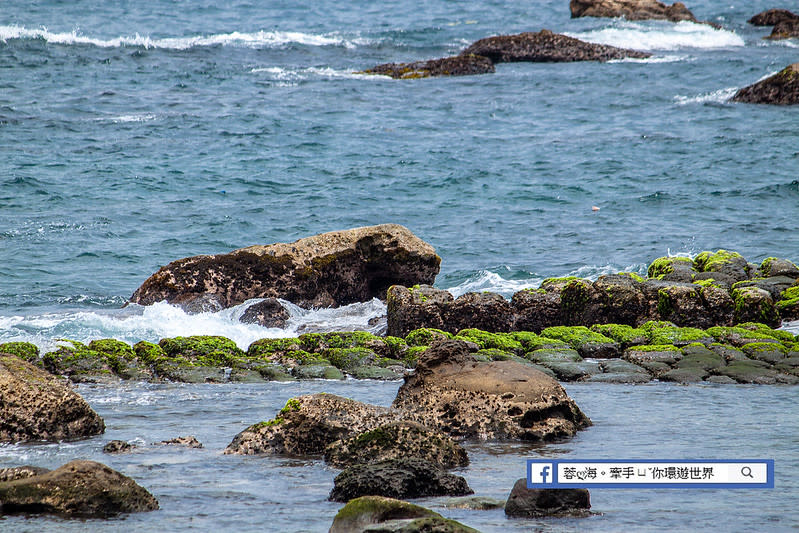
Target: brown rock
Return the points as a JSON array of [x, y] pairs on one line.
[[330, 269], [495, 400], [781, 89], [35, 405], [188, 442], [771, 17], [631, 10], [20, 472], [536, 309], [268, 313], [486, 311], [79, 488], [531, 503], [118, 446], [462, 65], [785, 29], [375, 513], [546, 47], [416, 307]]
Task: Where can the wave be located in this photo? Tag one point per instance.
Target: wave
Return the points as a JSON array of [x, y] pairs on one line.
[[716, 97], [290, 76], [260, 39], [661, 36]]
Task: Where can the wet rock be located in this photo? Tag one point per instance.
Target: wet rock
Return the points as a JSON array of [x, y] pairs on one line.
[[322, 372], [474, 503], [588, 343], [330, 269], [771, 17], [486, 311], [573, 371], [753, 304], [532, 503], [546, 46], [102, 361], [536, 309], [36, 406], [408, 477], [462, 65], [774, 285], [622, 334], [24, 350], [79, 488], [416, 307], [719, 306], [788, 304], [773, 266], [631, 10], [308, 424], [679, 269], [785, 29], [781, 89], [621, 300], [620, 377], [376, 513], [723, 262], [186, 442], [642, 355], [20, 472], [118, 446], [268, 313], [396, 440], [754, 372], [497, 400], [691, 374], [682, 305]]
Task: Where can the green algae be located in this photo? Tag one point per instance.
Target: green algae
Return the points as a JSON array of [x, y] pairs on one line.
[[621, 333], [664, 265], [576, 336], [714, 261], [24, 350], [486, 340], [425, 336]]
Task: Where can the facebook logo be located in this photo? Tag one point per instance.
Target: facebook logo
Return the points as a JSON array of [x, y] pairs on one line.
[[541, 473]]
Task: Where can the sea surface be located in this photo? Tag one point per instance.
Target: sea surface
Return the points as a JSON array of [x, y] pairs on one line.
[[136, 133]]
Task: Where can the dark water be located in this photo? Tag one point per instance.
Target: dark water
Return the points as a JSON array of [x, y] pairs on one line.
[[136, 133]]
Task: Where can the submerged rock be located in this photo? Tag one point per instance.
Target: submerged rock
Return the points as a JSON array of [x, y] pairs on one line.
[[409, 477], [188, 442], [36, 406], [330, 269], [532, 503], [780, 89], [631, 10], [79, 488], [546, 46], [495, 400], [462, 65], [376, 513], [118, 446]]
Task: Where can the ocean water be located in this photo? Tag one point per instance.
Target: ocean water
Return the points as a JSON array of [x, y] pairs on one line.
[[136, 133]]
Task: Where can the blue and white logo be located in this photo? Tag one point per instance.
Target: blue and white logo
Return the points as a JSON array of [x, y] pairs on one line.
[[541, 473]]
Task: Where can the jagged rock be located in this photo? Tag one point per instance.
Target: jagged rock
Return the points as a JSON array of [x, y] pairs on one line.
[[79, 488], [409, 477], [35, 405], [376, 514], [546, 46], [531, 503], [462, 65], [118, 446], [330, 269], [775, 285], [396, 440], [496, 400], [771, 17], [753, 304], [268, 313], [307, 424], [188, 442], [678, 268], [781, 89], [631, 10]]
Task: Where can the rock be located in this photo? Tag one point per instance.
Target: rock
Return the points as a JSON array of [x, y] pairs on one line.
[[619, 300], [79, 488], [376, 513], [307, 424], [187, 442], [24, 350], [672, 269], [416, 307], [35, 405], [785, 29], [771, 17], [772, 266], [631, 10], [719, 306], [588, 343], [268, 313], [330, 269], [486, 311], [755, 305], [497, 400], [546, 47], [462, 65], [682, 305], [474, 503], [118, 446], [409, 477], [20, 472], [396, 440], [774, 285], [788, 304], [729, 264], [533, 503], [536, 309], [781, 89]]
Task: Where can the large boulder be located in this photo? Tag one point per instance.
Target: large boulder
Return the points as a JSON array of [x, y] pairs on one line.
[[771, 17], [631, 10], [37, 406], [327, 270], [307, 424], [532, 503], [782, 89], [409, 477], [462, 65], [79, 488], [785, 29], [546, 47], [453, 392], [376, 513]]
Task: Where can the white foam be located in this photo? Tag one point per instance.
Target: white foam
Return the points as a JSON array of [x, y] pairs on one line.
[[792, 327], [654, 35], [260, 39], [718, 97], [655, 59], [292, 75], [492, 282]]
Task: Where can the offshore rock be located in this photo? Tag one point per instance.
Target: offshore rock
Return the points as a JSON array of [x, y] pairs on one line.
[[772, 17], [546, 47], [36, 406], [376, 513], [532, 503], [462, 65], [79, 488], [269, 313], [631, 10], [453, 392], [308, 424], [409, 477], [785, 29], [330, 269], [780, 89], [396, 440]]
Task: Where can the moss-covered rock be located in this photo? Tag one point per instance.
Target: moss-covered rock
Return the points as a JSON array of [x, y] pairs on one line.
[[773, 266], [546, 355], [485, 340], [80, 364], [266, 348], [738, 336], [731, 264], [642, 355], [203, 350], [369, 512], [754, 372], [698, 355], [24, 350], [768, 352], [573, 371], [425, 336], [623, 334], [588, 343], [671, 269], [317, 371], [122, 359], [753, 304], [689, 374], [788, 304], [667, 333]]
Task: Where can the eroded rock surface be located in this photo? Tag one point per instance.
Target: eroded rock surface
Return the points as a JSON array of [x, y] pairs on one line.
[[631, 10], [782, 89]]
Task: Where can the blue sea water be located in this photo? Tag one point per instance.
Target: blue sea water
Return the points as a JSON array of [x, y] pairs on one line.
[[136, 133]]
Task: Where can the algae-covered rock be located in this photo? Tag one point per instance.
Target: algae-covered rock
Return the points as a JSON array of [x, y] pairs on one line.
[[768, 352], [587, 342], [24, 350], [661, 333], [554, 355], [782, 89], [623, 334], [649, 353], [207, 350], [573, 371], [79, 363], [726, 263], [755, 372], [533, 503], [485, 340], [36, 406], [420, 306], [407, 477], [376, 513], [485, 311], [788, 304], [80, 489], [755, 305], [776, 267], [461, 65], [672, 269]]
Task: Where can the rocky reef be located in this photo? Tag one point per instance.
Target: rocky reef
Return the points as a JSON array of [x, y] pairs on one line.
[[631, 10], [461, 65], [781, 89], [785, 23]]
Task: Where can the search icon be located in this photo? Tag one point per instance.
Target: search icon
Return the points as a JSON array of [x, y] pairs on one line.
[[747, 472]]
